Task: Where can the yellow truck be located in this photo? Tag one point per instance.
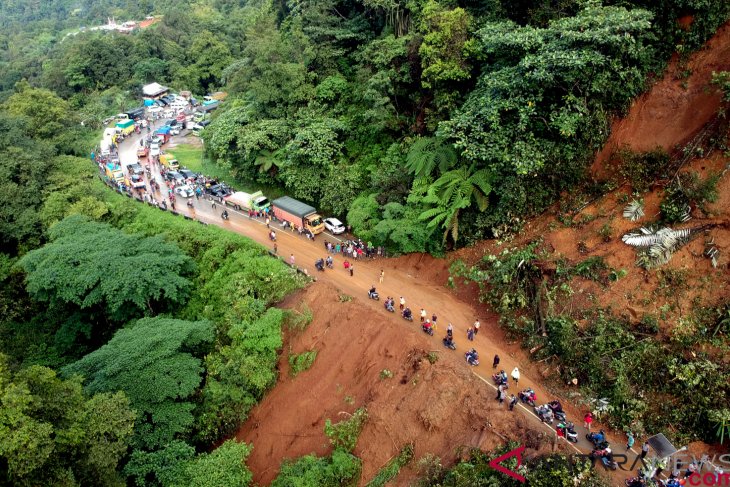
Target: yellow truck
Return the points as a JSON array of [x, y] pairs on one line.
[[114, 172], [169, 161]]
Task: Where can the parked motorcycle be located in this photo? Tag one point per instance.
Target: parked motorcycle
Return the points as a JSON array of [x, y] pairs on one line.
[[557, 409], [528, 396], [544, 413], [568, 430]]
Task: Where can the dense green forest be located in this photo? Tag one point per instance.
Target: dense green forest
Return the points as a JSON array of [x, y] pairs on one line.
[[426, 124]]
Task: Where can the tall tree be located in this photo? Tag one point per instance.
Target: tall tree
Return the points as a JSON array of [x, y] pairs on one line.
[[52, 435], [156, 363], [93, 265]]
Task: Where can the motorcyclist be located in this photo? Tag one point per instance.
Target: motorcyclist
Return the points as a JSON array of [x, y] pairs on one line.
[[407, 313], [224, 215], [372, 291], [389, 304], [319, 264], [450, 331], [329, 261], [472, 356], [272, 235]]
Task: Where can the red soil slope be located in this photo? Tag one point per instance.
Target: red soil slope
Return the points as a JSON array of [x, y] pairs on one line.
[[676, 107], [437, 407]]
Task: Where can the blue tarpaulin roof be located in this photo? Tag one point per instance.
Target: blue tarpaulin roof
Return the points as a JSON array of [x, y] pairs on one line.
[[149, 103], [164, 130]]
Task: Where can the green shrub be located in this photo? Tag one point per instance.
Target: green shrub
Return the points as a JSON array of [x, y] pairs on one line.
[[392, 468], [301, 362], [343, 435]]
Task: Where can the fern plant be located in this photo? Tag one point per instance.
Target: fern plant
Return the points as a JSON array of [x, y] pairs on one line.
[[634, 211], [658, 246], [428, 154]]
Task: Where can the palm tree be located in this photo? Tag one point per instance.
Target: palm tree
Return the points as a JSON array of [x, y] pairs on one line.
[[454, 191]]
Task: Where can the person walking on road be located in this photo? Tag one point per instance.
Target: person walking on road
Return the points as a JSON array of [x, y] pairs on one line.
[[423, 315], [512, 401], [291, 260], [470, 334], [276, 249], [476, 326], [352, 270], [587, 420], [382, 276], [629, 441], [495, 362], [516, 375], [402, 303], [644, 450]]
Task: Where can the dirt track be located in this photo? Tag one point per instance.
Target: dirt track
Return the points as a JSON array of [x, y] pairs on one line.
[[419, 292]]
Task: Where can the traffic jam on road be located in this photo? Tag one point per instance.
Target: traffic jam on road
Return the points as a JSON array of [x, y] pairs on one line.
[[136, 157]]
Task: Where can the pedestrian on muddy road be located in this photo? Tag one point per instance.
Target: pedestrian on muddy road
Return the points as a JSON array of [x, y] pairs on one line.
[[516, 375], [423, 315], [587, 420], [476, 326], [470, 334], [402, 303], [352, 270], [495, 362], [512, 401], [382, 276], [291, 260]]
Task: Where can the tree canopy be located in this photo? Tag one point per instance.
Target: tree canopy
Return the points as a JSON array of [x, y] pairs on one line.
[[156, 363], [52, 434], [89, 264]]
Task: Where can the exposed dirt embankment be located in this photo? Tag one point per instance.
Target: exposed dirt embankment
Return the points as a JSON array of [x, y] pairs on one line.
[[437, 407], [675, 108]]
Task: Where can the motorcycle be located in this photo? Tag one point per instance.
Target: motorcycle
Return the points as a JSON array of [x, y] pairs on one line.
[[427, 329], [330, 264], [224, 215], [557, 409], [319, 265], [568, 430], [544, 413], [373, 295], [472, 357], [407, 314], [272, 236], [389, 306], [448, 342], [528, 396], [598, 439], [190, 203], [606, 458], [500, 379]]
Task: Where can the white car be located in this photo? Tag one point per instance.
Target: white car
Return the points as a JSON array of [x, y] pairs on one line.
[[186, 191], [155, 149], [154, 109], [333, 225]]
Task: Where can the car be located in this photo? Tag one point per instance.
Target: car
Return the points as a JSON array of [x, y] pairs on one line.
[[186, 191], [188, 174], [171, 123], [219, 190], [154, 109], [135, 169], [334, 226], [175, 176], [154, 149], [138, 182], [174, 131], [163, 102], [156, 139]]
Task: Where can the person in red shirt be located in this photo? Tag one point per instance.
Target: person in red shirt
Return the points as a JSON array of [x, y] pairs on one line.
[[587, 420]]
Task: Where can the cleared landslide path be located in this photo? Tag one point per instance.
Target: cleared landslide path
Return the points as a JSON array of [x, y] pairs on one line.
[[418, 294]]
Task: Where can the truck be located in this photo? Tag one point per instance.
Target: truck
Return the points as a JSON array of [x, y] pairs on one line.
[[169, 161], [240, 200], [298, 214], [114, 172], [142, 152]]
